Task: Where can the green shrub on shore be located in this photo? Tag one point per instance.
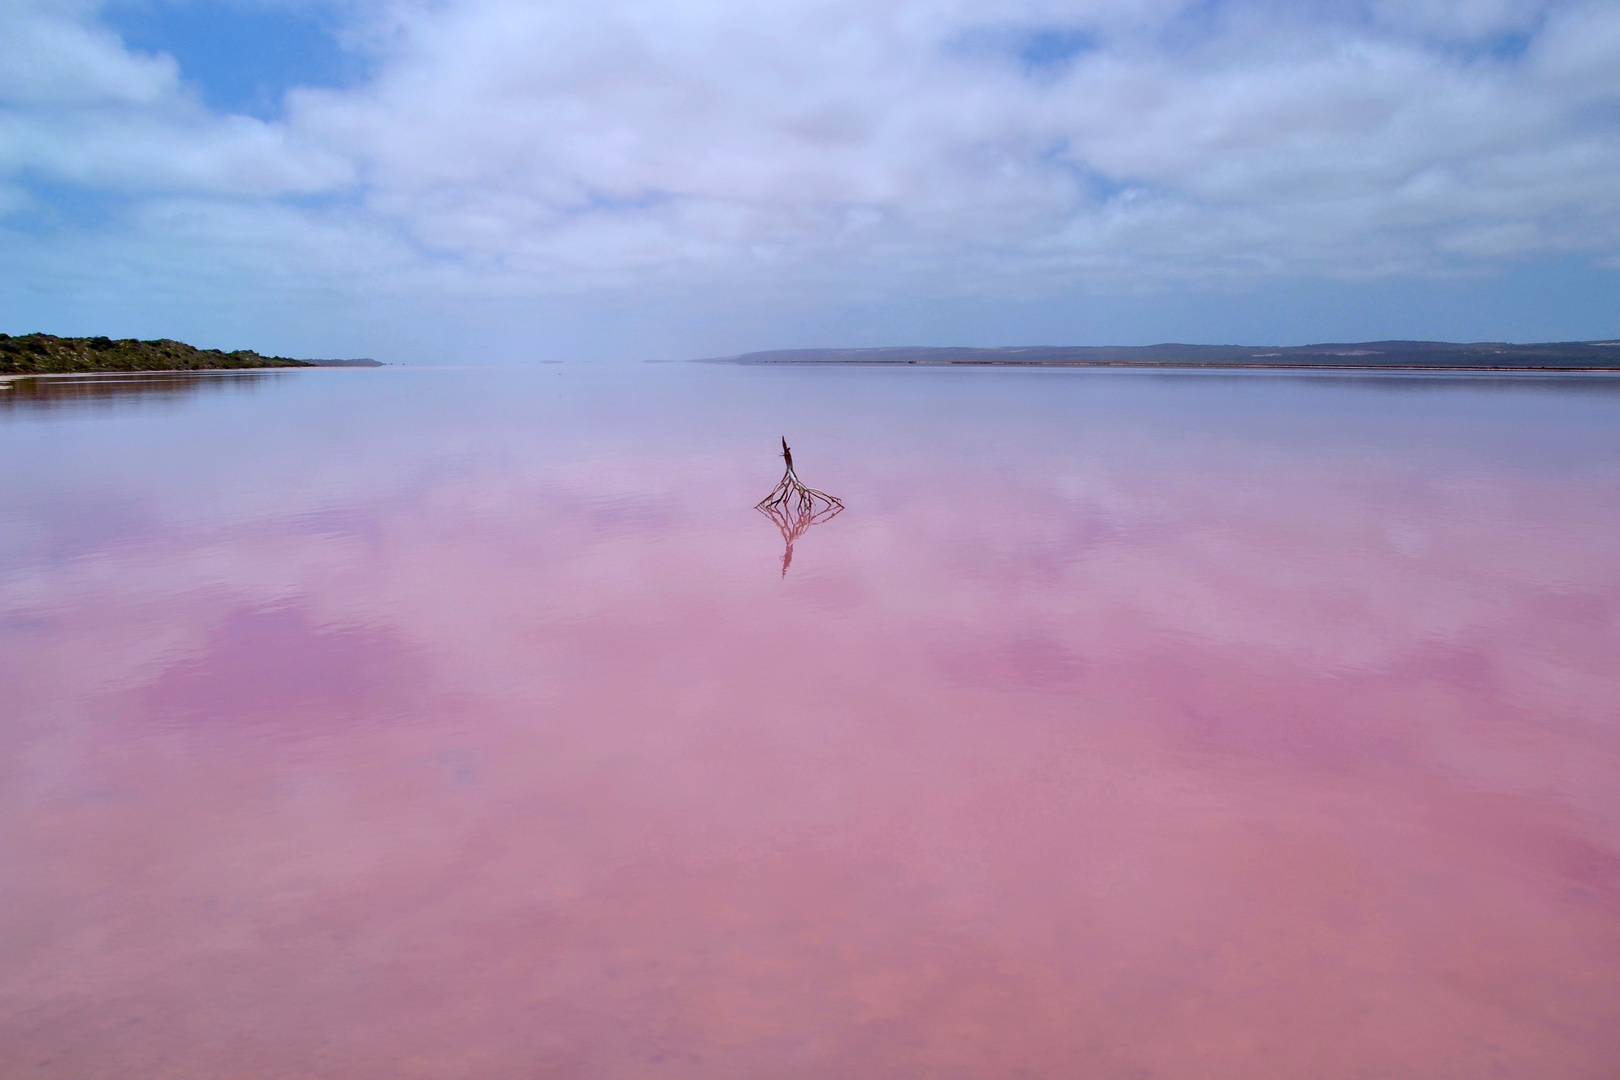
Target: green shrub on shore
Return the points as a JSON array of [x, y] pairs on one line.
[[47, 354]]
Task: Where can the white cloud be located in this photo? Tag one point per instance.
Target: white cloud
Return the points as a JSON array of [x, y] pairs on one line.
[[77, 107], [1460, 20], [940, 146], [56, 55]]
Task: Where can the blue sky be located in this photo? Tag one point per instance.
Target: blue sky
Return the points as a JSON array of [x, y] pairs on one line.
[[463, 180], [243, 57]]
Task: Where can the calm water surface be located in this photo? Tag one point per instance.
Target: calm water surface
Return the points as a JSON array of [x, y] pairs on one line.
[[412, 723]]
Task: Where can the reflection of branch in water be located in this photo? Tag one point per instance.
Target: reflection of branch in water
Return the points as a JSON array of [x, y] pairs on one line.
[[795, 507], [795, 523]]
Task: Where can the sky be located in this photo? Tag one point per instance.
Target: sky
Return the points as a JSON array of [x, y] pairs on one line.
[[513, 180]]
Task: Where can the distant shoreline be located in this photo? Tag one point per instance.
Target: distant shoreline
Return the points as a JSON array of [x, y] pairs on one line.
[[1394, 369], [1389, 356]]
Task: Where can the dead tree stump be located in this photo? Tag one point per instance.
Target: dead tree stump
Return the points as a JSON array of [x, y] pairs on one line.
[[791, 494]]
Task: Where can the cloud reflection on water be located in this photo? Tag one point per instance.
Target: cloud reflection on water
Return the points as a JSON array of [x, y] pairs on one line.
[[1168, 731]]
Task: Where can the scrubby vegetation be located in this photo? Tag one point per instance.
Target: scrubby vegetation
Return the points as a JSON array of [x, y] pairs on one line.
[[47, 354]]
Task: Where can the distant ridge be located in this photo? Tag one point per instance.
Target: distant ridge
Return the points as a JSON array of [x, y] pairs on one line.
[[1420, 355]]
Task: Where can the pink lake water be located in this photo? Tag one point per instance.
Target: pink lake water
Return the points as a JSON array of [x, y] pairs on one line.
[[415, 724]]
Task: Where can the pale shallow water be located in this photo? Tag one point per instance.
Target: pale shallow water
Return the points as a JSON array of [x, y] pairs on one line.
[[408, 724]]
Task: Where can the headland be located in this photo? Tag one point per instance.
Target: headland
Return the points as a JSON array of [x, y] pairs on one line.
[[47, 354], [1354, 356]]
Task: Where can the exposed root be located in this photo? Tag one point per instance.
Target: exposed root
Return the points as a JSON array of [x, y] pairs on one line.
[[791, 494]]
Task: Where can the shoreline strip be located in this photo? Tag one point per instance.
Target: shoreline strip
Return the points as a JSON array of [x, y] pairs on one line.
[[1182, 366]]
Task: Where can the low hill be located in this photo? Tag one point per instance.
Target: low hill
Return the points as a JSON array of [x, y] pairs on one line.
[[47, 354], [1439, 355]]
